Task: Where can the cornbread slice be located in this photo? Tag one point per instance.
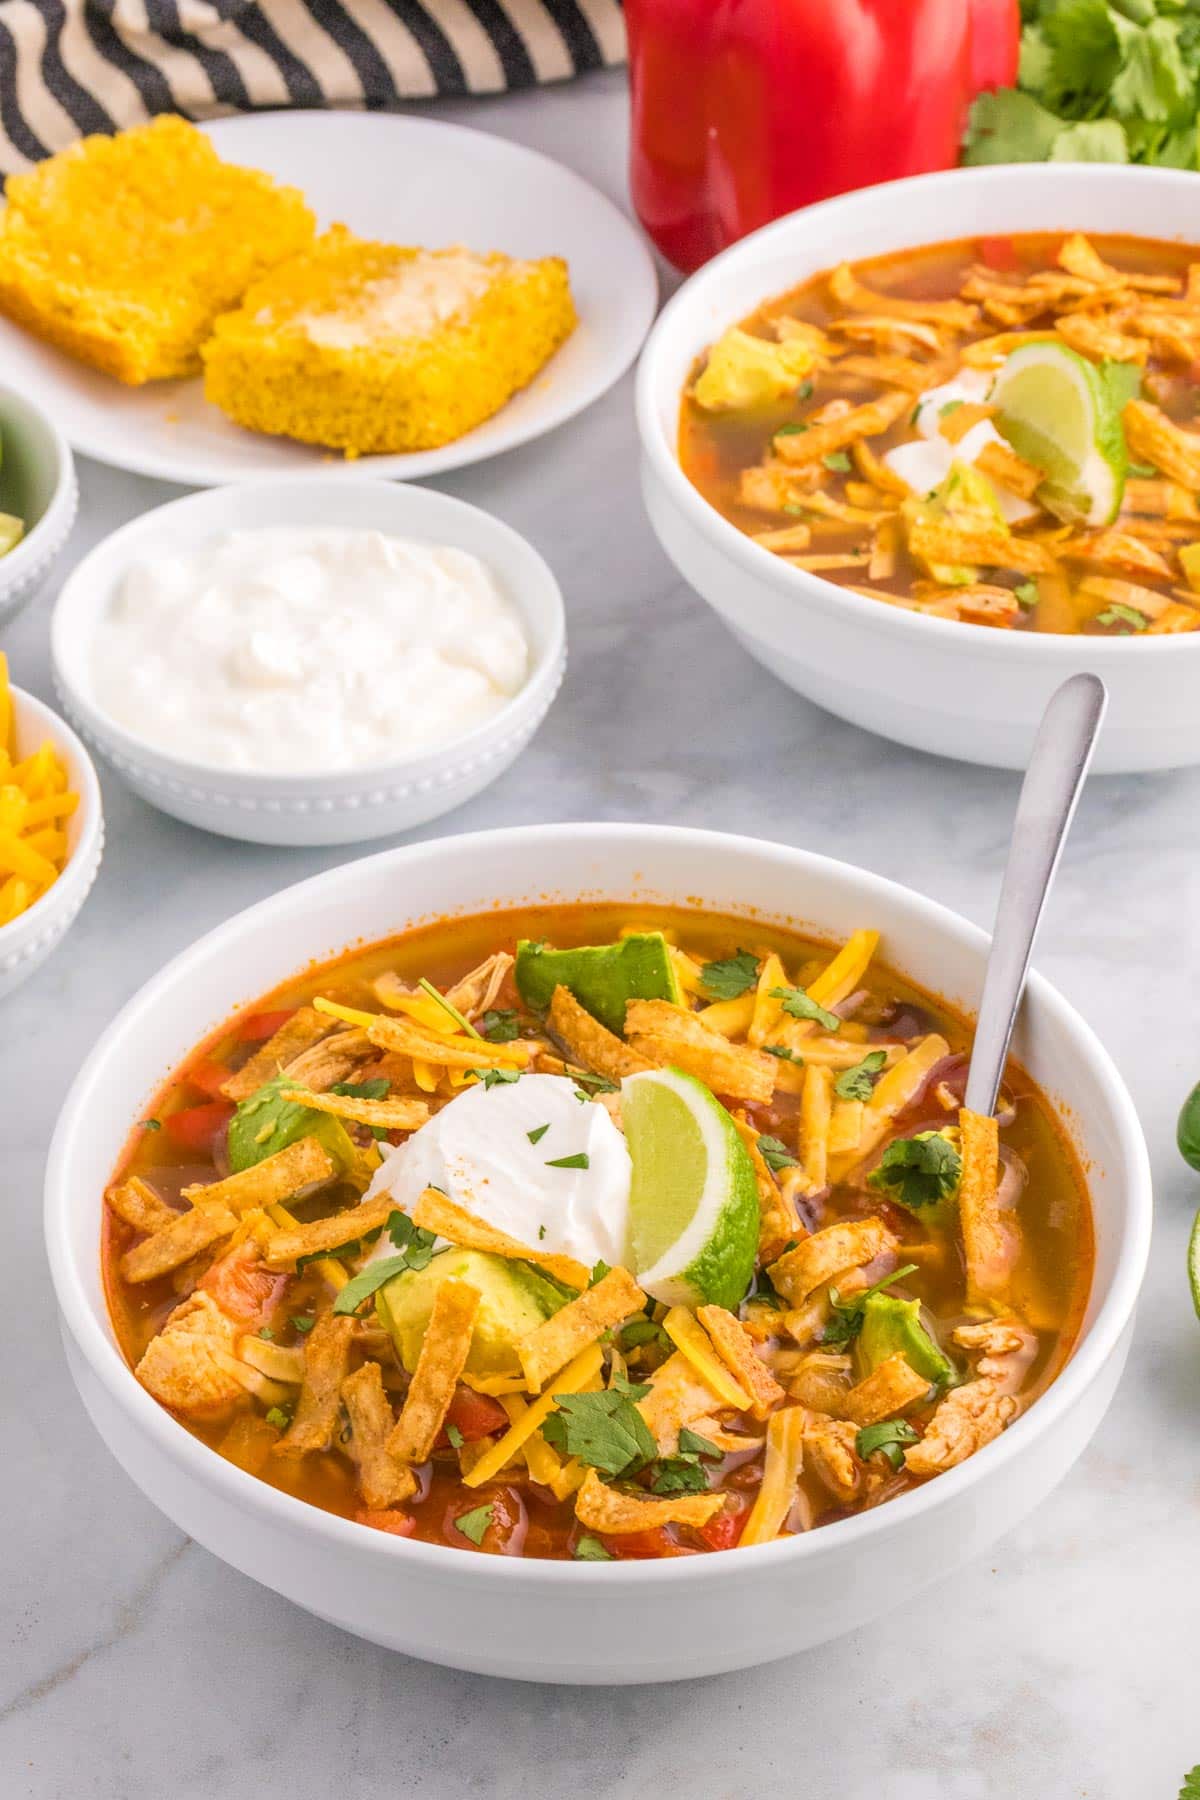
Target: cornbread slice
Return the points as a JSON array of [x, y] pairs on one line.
[[123, 250], [372, 347]]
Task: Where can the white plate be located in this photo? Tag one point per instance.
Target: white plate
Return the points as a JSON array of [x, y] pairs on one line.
[[407, 181]]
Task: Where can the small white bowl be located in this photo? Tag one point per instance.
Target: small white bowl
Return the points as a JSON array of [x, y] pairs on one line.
[[958, 690], [311, 808], [28, 940], [37, 483], [580, 1621]]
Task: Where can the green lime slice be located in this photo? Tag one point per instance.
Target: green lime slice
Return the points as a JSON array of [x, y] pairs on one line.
[[1060, 413], [1194, 1264], [693, 1201]]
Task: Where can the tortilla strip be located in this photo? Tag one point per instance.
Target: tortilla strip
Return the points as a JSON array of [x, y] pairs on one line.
[[602, 1508], [275, 1178], [773, 487], [667, 1033], [444, 1351], [876, 472], [892, 371], [435, 1212], [1154, 438], [326, 1364], [809, 447], [176, 1243], [1101, 339], [284, 1248], [985, 353], [383, 1479], [790, 537], [827, 1254], [1008, 470], [1176, 618], [855, 296], [936, 541], [1080, 257], [553, 1343], [393, 1115], [889, 331], [1110, 592], [892, 1388], [991, 1241], [136, 1202], [777, 1220], [1116, 550], [678, 1396], [736, 1350], [453, 1051], [305, 1028], [589, 1043], [987, 605]]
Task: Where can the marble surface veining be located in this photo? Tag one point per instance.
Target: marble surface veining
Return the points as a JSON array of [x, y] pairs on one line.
[[1062, 1665]]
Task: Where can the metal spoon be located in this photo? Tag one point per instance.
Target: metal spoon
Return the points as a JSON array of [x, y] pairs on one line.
[[1062, 753]]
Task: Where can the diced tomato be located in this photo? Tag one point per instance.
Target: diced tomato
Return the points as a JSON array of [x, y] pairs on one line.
[[723, 1532], [400, 1524], [657, 1542], [242, 1288], [475, 1415], [208, 1076], [998, 253], [196, 1126], [259, 1026]]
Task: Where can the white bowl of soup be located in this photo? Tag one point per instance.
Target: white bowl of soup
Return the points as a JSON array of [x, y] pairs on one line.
[[273, 1445], [807, 501]]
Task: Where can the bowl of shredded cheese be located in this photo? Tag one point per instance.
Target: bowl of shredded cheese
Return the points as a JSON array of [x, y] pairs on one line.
[[51, 831]]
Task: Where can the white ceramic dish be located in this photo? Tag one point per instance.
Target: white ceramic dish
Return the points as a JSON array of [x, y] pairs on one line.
[[28, 940], [309, 809], [407, 181], [37, 483], [584, 1622], [958, 690]]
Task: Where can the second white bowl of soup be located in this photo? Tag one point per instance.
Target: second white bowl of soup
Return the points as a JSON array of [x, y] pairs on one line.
[[966, 677]]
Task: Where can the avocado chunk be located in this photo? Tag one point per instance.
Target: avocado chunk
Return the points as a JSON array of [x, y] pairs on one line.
[[265, 1122], [892, 1326], [744, 371], [602, 977], [514, 1300]]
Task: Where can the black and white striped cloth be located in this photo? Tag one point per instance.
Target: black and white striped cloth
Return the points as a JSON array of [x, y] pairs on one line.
[[68, 67]]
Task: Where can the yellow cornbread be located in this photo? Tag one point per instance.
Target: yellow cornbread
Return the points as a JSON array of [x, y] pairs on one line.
[[123, 250], [368, 347]]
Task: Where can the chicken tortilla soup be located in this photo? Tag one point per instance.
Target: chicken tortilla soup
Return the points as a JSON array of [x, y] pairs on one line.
[[1002, 432], [579, 1233]]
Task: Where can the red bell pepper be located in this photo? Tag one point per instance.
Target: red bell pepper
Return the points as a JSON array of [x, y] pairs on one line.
[[746, 109]]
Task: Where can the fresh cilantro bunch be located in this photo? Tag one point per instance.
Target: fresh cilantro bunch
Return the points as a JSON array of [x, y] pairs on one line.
[[606, 1431], [918, 1171], [1099, 81]]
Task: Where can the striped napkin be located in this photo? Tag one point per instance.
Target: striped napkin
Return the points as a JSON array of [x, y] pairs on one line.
[[68, 67]]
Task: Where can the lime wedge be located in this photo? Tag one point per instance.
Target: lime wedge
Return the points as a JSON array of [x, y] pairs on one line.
[[693, 1202], [1059, 412], [1194, 1264]]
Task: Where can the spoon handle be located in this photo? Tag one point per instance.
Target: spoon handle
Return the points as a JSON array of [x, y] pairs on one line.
[[1061, 754]]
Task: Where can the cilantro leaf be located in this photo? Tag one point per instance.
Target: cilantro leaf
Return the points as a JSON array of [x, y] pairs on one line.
[[776, 1155], [731, 976], [599, 1084], [495, 1077], [838, 461], [890, 1435], [280, 1417], [455, 1437], [692, 1444], [1009, 126], [473, 1524], [500, 1025], [801, 1005], [846, 1316], [678, 1475], [303, 1322], [365, 1090], [785, 1054], [1191, 1785], [1119, 614], [918, 1171], [415, 1246], [858, 1083], [1027, 594], [538, 1133], [580, 1160], [604, 1430], [590, 1549], [642, 1331]]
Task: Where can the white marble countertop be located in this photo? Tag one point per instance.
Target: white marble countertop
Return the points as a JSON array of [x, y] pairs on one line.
[[133, 1664]]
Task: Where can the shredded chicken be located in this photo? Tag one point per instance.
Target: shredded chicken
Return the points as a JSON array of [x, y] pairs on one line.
[[969, 1417], [829, 1448], [186, 1365]]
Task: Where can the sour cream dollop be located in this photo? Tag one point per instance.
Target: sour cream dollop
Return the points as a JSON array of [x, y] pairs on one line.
[[925, 462], [479, 1151], [307, 648]]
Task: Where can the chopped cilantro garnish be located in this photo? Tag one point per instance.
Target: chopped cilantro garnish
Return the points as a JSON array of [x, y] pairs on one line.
[[801, 1005], [590, 1549], [151, 1124], [473, 1524], [890, 1435], [495, 1077], [949, 407], [692, 1444], [415, 1247], [642, 1331], [280, 1417], [538, 1133], [1118, 614], [1191, 1785], [455, 1436], [500, 1025], [730, 976], [541, 1233], [1027, 594], [858, 1083], [677, 1475], [785, 1054], [599, 1084], [580, 1160], [604, 1430], [776, 1155], [804, 391], [303, 1322], [791, 430], [599, 1272], [846, 1316], [365, 1090], [918, 1171], [838, 461], [265, 1331]]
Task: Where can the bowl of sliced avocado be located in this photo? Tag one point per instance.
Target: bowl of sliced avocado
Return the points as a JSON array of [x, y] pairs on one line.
[[38, 499]]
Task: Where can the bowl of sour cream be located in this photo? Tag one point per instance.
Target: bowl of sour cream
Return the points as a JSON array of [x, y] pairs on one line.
[[310, 661]]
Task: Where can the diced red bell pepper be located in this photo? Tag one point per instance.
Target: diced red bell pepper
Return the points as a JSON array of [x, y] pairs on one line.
[[209, 1076], [639, 1544], [474, 1415], [400, 1524], [723, 1532], [196, 1126], [998, 253], [257, 1027]]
